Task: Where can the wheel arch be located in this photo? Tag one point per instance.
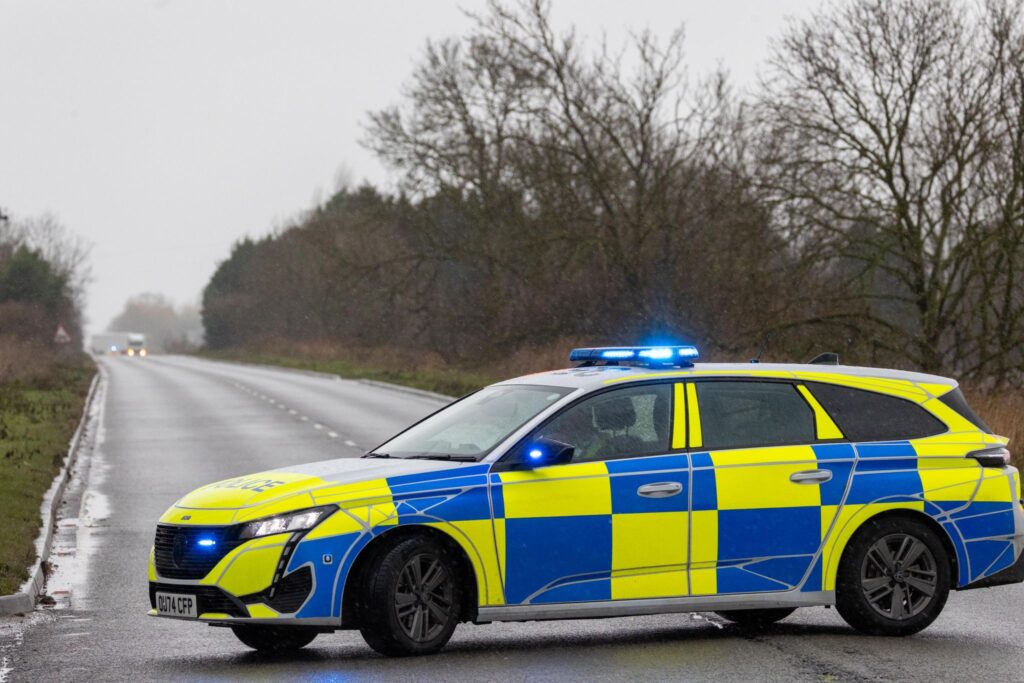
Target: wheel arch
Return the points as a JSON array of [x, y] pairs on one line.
[[855, 524], [365, 557]]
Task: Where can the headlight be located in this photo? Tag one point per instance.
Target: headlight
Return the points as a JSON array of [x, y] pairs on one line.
[[280, 524]]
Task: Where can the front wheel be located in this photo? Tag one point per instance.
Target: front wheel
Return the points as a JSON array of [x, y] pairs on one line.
[[756, 618], [412, 599], [894, 577], [275, 639]]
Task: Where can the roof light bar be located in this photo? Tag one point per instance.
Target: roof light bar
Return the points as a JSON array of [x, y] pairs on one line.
[[649, 355]]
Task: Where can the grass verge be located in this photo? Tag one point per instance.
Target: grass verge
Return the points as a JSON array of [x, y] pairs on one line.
[[38, 417]]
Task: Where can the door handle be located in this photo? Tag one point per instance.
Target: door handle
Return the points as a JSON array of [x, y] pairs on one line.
[[811, 477], [662, 489]]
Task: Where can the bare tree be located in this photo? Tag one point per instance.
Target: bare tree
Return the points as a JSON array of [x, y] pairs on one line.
[[895, 159]]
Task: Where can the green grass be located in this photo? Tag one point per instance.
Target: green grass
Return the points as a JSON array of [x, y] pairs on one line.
[[447, 381], [37, 420]]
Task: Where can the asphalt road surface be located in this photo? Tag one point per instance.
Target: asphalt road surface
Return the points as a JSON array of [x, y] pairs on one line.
[[171, 424]]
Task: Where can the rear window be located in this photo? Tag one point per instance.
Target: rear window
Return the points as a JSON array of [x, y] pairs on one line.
[[867, 416], [957, 402], [749, 414]]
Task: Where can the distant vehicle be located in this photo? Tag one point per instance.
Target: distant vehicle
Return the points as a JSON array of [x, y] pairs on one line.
[[120, 343], [634, 483]]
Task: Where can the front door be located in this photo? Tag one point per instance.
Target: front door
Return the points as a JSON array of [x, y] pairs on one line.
[[613, 523]]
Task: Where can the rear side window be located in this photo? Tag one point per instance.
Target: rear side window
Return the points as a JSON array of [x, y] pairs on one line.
[[867, 416], [957, 402], [750, 414]]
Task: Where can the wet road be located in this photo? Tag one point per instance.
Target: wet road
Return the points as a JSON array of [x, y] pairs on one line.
[[171, 424]]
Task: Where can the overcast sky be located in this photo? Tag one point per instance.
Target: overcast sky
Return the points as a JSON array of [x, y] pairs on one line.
[[164, 131]]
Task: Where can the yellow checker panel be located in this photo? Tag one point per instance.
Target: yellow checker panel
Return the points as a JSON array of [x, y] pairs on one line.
[[679, 416], [693, 413], [564, 490], [950, 483], [703, 552], [476, 538], [765, 485], [825, 426], [649, 554], [251, 572], [996, 487]]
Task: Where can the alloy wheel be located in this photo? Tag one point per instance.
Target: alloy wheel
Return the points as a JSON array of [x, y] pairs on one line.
[[424, 599], [899, 576]]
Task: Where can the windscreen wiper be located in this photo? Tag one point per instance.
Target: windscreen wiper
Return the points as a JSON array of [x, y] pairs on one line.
[[376, 455], [443, 456]]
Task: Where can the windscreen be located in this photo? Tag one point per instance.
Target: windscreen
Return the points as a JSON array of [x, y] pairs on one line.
[[473, 426]]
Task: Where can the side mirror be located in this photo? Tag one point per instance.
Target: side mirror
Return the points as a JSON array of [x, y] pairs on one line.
[[543, 452]]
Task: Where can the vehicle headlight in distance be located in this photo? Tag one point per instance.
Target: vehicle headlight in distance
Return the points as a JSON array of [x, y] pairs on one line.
[[300, 520]]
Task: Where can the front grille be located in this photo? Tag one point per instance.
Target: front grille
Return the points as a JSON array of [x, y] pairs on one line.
[[178, 554], [208, 598]]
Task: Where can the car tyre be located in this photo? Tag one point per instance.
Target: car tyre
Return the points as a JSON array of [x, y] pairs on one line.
[[412, 598], [275, 639], [894, 577], [756, 618]]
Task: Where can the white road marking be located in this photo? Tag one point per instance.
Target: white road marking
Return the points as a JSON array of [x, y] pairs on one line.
[[318, 426], [304, 418], [292, 411], [333, 435], [350, 442]]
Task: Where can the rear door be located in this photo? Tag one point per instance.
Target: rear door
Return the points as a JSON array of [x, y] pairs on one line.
[[769, 471]]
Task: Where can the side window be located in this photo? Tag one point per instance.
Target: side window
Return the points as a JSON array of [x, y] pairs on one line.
[[623, 423], [750, 414], [867, 416]]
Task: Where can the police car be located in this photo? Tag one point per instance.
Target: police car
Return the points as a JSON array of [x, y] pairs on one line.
[[637, 482]]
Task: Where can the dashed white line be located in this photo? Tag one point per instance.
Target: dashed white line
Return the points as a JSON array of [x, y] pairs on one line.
[[318, 426], [333, 435], [350, 442]]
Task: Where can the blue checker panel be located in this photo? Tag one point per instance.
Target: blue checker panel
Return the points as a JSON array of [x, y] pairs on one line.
[[580, 591], [890, 487], [787, 570], [737, 580], [768, 532], [704, 494], [625, 498], [426, 481], [814, 582], [999, 523], [541, 551], [320, 604], [988, 557], [449, 505], [833, 451]]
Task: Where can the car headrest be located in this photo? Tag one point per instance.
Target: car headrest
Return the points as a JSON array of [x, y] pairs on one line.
[[615, 414]]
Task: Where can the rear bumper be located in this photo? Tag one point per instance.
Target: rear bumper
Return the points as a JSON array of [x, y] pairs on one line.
[[1012, 574]]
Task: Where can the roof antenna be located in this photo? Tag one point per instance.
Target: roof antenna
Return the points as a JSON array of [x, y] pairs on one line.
[[764, 347]]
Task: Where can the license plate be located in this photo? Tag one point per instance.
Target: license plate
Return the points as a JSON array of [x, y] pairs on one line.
[[176, 605]]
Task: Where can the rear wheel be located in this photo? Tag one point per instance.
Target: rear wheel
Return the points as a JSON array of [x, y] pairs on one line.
[[275, 639], [412, 600], [756, 617], [894, 577]]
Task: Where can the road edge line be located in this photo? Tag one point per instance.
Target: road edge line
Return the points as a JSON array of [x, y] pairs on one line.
[[24, 600]]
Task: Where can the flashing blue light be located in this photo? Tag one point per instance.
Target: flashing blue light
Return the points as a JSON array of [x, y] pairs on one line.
[[536, 454], [651, 355], [207, 542]]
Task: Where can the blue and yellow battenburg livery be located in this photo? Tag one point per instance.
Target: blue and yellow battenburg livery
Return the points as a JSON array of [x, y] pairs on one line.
[[733, 527]]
